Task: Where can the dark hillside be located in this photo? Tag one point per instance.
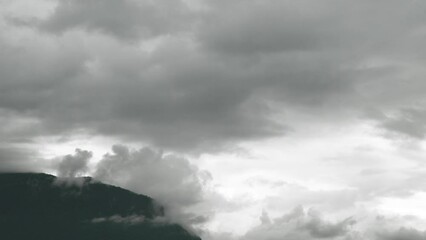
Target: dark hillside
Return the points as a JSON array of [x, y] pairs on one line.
[[38, 206]]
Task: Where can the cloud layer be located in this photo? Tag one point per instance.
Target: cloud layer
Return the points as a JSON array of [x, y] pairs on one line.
[[187, 76]]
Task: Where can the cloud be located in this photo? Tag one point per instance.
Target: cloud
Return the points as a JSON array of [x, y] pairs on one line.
[[133, 219], [406, 122], [74, 165], [270, 27], [175, 183], [207, 76], [15, 159], [159, 99], [199, 79], [301, 224], [311, 224], [264, 218], [126, 20], [171, 180], [402, 234]]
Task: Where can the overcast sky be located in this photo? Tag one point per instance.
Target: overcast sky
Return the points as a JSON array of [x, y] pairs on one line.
[[248, 119]]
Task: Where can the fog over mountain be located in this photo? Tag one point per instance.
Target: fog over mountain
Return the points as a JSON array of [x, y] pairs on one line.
[[245, 119]]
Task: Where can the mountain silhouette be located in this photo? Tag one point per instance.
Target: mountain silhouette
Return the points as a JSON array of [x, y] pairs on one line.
[[35, 206]]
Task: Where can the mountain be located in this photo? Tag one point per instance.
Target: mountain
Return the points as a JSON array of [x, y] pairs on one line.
[[43, 207]]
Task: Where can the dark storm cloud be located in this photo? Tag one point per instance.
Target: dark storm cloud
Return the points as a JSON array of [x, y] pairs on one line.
[[210, 77], [161, 99]]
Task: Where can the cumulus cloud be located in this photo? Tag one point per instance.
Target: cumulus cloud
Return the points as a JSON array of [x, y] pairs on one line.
[[74, 165], [171, 180], [164, 177]]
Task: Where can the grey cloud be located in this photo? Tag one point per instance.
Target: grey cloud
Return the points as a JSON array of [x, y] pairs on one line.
[[407, 122], [31, 73], [14, 159], [402, 234], [319, 229], [74, 165], [208, 88], [264, 218], [169, 179], [264, 27], [246, 27], [350, 55], [188, 104], [310, 224], [218, 235], [127, 19], [133, 219], [301, 224]]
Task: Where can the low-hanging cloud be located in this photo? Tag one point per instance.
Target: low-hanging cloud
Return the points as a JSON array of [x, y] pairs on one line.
[[75, 165], [171, 180]]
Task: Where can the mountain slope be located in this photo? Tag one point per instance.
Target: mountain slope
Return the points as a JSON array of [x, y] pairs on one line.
[[40, 206]]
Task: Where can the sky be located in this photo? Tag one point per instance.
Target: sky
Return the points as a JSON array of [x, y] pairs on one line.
[[247, 119]]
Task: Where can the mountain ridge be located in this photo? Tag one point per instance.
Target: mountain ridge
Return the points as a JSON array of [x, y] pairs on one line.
[[42, 206]]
